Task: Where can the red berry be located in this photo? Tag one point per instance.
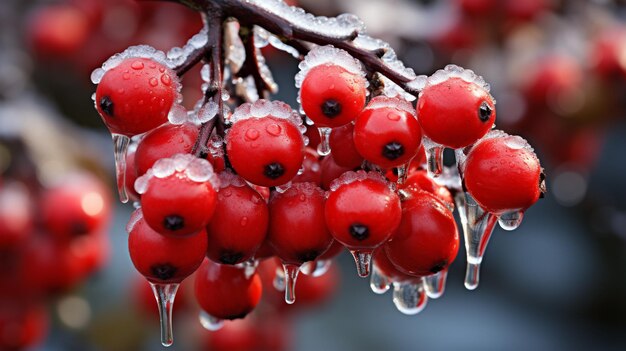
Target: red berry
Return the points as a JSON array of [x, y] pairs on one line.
[[297, 230], [342, 147], [384, 266], [312, 169], [503, 174], [332, 96], [16, 215], [136, 96], [86, 207], [455, 113], [163, 259], [387, 133], [361, 211], [331, 171], [420, 181], [227, 292], [58, 30], [22, 326], [266, 150], [164, 141], [178, 194], [427, 240], [239, 224]]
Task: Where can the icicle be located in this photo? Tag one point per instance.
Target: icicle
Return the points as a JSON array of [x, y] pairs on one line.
[[435, 284], [323, 149], [434, 160], [402, 173], [362, 258], [209, 322], [165, 295], [477, 228], [121, 143], [379, 283], [511, 220], [291, 275], [410, 298], [316, 268]]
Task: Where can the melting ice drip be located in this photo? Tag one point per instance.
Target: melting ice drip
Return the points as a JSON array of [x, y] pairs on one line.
[[193, 168]]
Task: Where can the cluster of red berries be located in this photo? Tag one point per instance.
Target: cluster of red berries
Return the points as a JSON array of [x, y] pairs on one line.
[[216, 205], [51, 239]]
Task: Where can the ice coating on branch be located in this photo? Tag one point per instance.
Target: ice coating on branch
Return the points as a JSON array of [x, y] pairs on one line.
[[392, 89], [235, 52], [227, 179], [451, 71], [262, 38], [328, 54], [307, 189], [193, 168], [337, 27], [360, 175], [382, 101], [177, 56], [208, 112], [389, 57], [265, 72], [138, 51], [264, 108]]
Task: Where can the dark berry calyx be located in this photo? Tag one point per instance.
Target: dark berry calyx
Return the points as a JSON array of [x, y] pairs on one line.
[[308, 256], [173, 222], [439, 266], [393, 150], [359, 231], [331, 108], [274, 170], [163, 271], [484, 111], [230, 257], [106, 105]]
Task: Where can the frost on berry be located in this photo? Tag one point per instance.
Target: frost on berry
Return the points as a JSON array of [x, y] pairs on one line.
[[360, 175], [266, 108], [302, 189], [135, 217], [322, 55], [451, 71], [389, 102], [514, 142], [227, 179], [193, 168]]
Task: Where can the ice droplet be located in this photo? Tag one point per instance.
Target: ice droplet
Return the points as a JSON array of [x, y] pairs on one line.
[[511, 220], [120, 149], [291, 275], [165, 295], [209, 322], [435, 284], [177, 114], [410, 298], [477, 228], [379, 283], [323, 149], [279, 279], [363, 259], [402, 173], [316, 268], [208, 111], [434, 157]]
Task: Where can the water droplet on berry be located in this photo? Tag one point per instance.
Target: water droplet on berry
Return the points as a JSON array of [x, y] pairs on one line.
[[252, 134], [291, 275], [511, 220], [273, 129], [393, 116], [323, 149], [244, 221], [379, 283], [166, 79], [362, 258], [477, 228], [165, 295], [515, 142], [153, 82], [435, 284], [121, 91], [161, 69], [126, 76], [137, 65], [209, 322], [316, 268], [121, 143], [409, 298]]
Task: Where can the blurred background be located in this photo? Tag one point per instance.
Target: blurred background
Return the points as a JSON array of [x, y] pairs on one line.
[[557, 70]]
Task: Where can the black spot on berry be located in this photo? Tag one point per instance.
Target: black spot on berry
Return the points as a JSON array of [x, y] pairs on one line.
[[393, 150], [163, 271], [438, 267], [308, 256], [331, 108], [106, 105], [274, 170], [484, 111], [79, 228], [230, 257], [173, 222], [359, 231]]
